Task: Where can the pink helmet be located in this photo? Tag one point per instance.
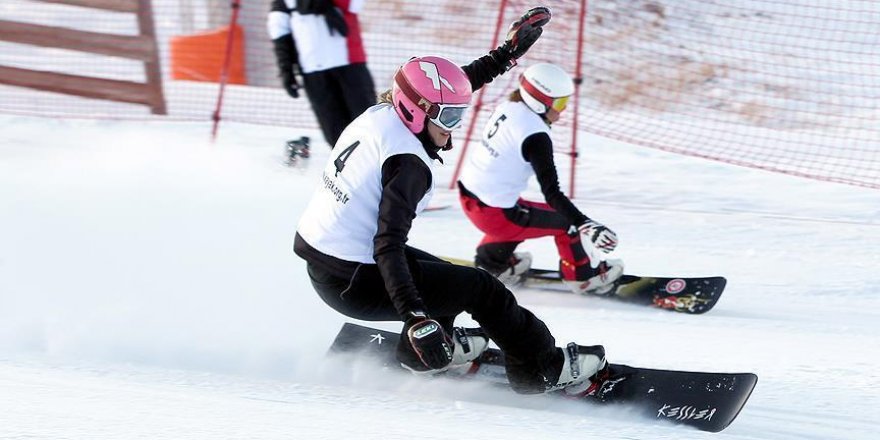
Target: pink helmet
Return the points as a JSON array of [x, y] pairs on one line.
[[431, 88]]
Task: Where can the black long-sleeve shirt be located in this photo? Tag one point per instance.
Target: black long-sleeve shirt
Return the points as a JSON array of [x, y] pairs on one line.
[[405, 181], [537, 149]]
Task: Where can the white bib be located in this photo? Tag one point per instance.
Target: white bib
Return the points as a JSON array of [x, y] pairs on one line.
[[495, 170], [342, 216]]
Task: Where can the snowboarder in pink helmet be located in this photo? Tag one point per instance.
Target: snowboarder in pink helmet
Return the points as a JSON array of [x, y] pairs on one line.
[[353, 233], [431, 89]]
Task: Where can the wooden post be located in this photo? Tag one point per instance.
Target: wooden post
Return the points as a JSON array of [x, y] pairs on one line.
[[141, 47], [152, 68]]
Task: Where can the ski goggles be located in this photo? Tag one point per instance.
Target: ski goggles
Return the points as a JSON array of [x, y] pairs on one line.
[[446, 116], [557, 104]]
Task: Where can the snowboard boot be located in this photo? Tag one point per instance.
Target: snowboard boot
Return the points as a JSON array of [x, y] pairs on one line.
[[468, 345], [514, 273], [583, 368], [598, 281], [297, 151]]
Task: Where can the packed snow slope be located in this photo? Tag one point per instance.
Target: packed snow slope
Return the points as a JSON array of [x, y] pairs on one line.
[[148, 290]]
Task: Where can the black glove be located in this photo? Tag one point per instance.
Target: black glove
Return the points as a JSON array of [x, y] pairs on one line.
[[291, 85], [287, 58], [333, 16], [429, 341], [524, 32]]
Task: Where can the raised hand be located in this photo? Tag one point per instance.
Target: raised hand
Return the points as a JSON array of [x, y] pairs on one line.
[[525, 31]]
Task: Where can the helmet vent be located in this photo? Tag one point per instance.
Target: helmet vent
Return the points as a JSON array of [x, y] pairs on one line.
[[406, 113]]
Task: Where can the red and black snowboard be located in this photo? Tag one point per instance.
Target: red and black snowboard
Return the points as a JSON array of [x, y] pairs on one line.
[[684, 295], [693, 295], [706, 401]]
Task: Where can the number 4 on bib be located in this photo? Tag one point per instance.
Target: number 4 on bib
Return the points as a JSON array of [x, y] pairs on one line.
[[340, 160]]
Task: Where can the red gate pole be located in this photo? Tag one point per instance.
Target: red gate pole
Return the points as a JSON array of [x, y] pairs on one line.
[[578, 80], [475, 111], [224, 73]]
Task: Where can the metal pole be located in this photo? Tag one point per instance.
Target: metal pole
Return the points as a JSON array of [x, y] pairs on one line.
[[578, 80], [224, 73]]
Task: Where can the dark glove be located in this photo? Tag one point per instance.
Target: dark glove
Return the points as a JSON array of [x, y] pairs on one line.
[[287, 58], [524, 32], [429, 341], [291, 85]]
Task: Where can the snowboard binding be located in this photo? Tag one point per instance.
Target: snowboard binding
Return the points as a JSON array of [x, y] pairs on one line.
[[297, 151]]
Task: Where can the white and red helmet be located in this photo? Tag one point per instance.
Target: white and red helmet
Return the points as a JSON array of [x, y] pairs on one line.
[[431, 89], [544, 86]]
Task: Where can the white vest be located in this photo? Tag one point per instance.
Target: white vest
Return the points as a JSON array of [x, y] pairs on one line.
[[342, 216], [495, 170]]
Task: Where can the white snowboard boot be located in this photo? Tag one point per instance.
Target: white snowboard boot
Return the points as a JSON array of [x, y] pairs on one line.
[[581, 369], [469, 344], [600, 280], [515, 273]]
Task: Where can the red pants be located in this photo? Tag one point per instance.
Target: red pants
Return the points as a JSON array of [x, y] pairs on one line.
[[505, 228]]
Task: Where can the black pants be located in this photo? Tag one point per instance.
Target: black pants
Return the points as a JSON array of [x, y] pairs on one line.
[[448, 290], [339, 95]]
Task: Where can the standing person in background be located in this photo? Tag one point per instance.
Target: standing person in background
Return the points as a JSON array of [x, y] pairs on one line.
[[320, 40], [516, 145], [354, 231]]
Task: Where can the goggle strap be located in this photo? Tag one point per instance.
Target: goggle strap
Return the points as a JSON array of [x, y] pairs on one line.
[[430, 108]]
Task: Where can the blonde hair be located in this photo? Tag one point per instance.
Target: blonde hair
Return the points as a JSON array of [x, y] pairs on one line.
[[386, 98], [515, 96]]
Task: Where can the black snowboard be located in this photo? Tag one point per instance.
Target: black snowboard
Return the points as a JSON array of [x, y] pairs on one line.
[[706, 401]]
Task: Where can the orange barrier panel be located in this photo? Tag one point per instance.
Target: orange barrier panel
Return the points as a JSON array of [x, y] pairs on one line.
[[199, 57]]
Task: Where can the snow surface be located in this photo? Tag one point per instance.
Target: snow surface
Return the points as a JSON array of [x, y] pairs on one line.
[[148, 290]]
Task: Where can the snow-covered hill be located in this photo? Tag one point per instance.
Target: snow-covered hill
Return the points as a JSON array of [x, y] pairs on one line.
[[148, 290]]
